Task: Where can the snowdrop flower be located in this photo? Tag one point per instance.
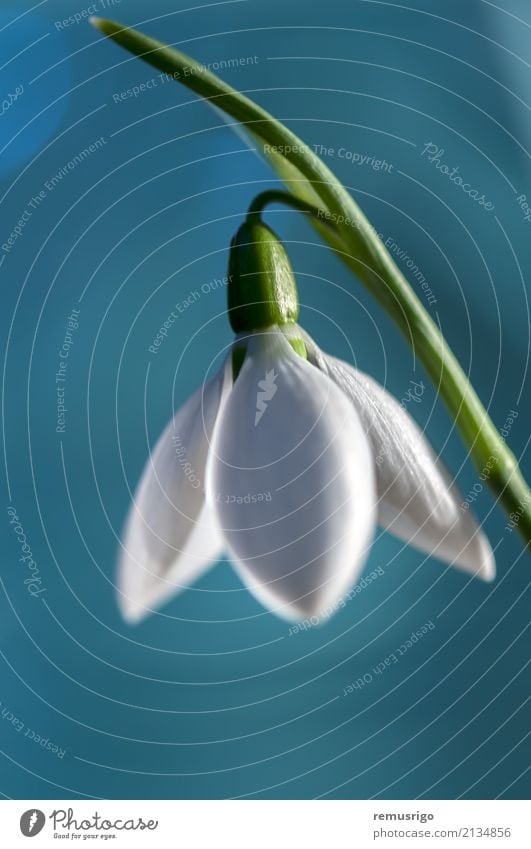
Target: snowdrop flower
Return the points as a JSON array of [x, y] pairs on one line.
[[286, 460]]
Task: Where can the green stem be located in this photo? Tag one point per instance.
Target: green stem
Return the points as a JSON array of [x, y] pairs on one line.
[[259, 203], [346, 229]]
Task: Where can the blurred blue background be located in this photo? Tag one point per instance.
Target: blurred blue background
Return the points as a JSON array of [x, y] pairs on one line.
[[213, 697]]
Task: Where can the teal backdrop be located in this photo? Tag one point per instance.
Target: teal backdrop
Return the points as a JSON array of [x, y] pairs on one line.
[[120, 192]]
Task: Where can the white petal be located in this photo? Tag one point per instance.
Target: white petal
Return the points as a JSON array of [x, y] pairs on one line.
[[418, 502], [171, 537], [291, 479]]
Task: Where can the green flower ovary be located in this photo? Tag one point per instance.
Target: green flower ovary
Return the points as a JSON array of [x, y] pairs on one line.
[[262, 291]]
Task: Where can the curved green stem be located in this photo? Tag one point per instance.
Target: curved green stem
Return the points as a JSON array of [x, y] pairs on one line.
[[346, 229], [259, 203]]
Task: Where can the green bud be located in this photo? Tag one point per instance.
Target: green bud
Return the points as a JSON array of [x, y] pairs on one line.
[[262, 291]]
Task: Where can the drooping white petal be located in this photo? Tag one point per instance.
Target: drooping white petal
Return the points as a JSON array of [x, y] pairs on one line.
[[171, 536], [418, 502], [291, 478]]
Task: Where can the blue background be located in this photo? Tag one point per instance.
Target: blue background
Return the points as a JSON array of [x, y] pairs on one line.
[[213, 698]]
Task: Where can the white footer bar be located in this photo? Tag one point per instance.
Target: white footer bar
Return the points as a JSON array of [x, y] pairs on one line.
[[266, 824]]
